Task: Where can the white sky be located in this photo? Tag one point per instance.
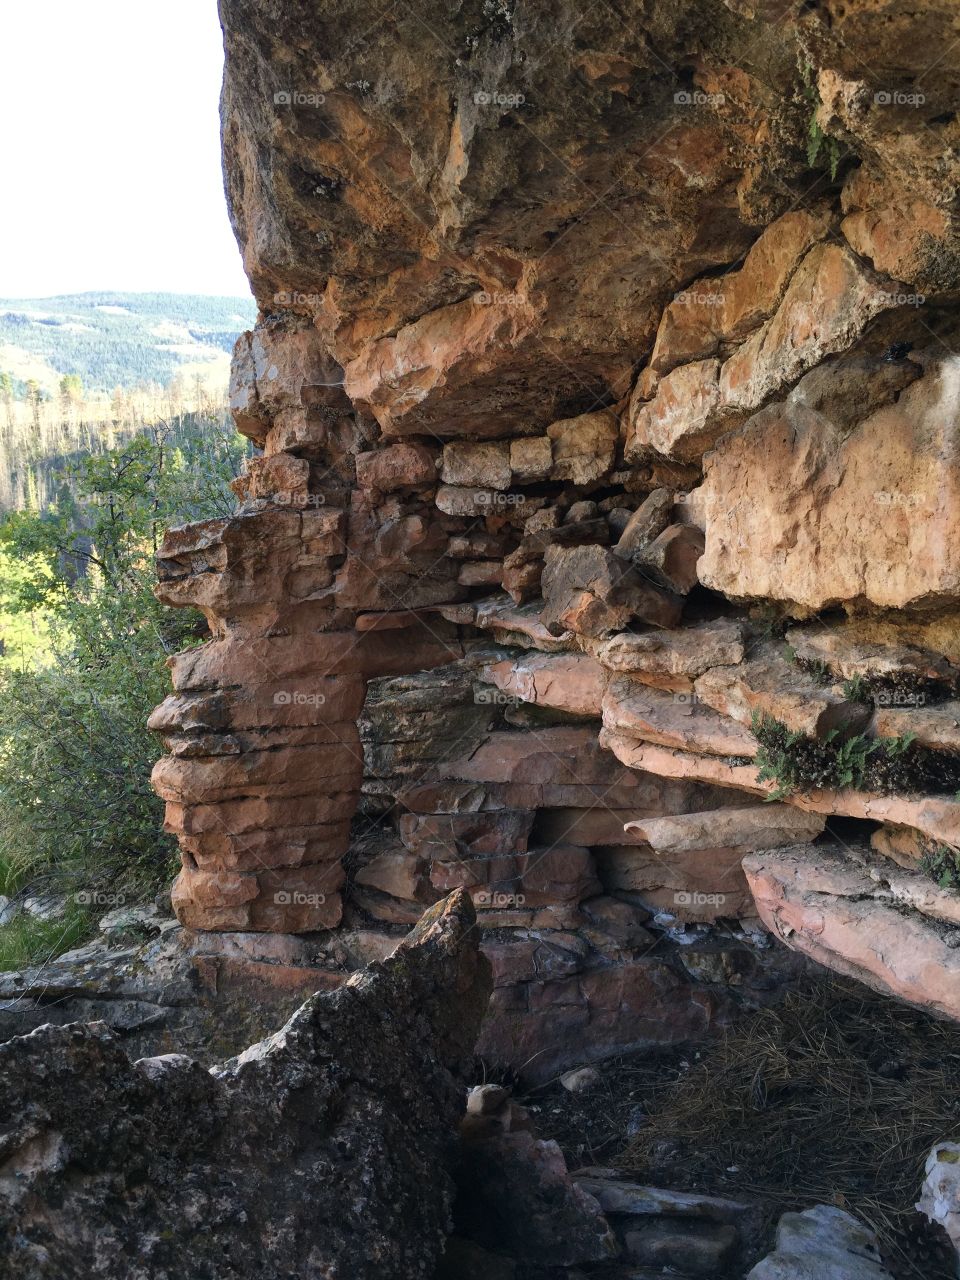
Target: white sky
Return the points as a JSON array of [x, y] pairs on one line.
[[110, 152]]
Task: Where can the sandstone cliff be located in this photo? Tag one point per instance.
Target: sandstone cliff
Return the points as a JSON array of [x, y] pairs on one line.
[[596, 349]]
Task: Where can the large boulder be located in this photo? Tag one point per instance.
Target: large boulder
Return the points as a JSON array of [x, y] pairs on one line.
[[322, 1151]]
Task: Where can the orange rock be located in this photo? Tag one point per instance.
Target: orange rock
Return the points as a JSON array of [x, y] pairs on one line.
[[633, 709], [398, 466], [569, 682], [817, 902]]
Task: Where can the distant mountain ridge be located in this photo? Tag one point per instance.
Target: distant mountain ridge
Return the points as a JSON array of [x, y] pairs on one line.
[[115, 339]]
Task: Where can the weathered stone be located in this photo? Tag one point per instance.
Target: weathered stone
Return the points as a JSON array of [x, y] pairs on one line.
[[768, 683], [656, 656], [591, 591], [531, 459], [823, 1243], [820, 903], [907, 238], [674, 720], [802, 512], [569, 682], [580, 511], [827, 305], [646, 523], [485, 465], [937, 817], [379, 1065], [697, 885], [683, 419], [745, 830], [849, 656], [398, 466], [671, 559], [584, 447], [700, 1248], [633, 1200], [717, 309]]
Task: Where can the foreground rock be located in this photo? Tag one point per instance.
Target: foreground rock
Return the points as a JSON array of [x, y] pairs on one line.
[[320, 1152], [940, 1195], [823, 1243]]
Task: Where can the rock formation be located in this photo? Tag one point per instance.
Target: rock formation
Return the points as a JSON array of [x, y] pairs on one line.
[[326, 1149], [596, 351]]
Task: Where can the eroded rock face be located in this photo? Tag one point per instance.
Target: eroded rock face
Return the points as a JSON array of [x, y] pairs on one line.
[[323, 1150], [566, 360]]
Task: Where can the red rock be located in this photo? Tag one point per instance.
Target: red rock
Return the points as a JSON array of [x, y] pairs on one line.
[[815, 901], [590, 590], [633, 709], [936, 816], [570, 682], [683, 419], [766, 826], [826, 307], [502, 831], [518, 625], [398, 466], [721, 308]]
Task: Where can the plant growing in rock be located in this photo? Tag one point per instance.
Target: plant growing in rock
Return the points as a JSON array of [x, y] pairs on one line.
[[795, 762], [889, 766], [819, 143], [941, 863]]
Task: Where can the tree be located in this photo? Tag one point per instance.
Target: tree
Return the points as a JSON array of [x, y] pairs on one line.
[[35, 400], [75, 754]]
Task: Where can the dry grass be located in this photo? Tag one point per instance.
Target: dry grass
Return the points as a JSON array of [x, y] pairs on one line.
[[835, 1097]]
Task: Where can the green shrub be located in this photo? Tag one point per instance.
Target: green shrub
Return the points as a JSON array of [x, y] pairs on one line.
[[942, 864], [28, 940], [76, 807]]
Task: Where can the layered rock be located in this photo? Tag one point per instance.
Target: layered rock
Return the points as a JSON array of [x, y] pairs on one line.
[[577, 374]]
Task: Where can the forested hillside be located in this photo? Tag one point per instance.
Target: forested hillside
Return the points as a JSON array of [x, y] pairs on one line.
[[112, 340]]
